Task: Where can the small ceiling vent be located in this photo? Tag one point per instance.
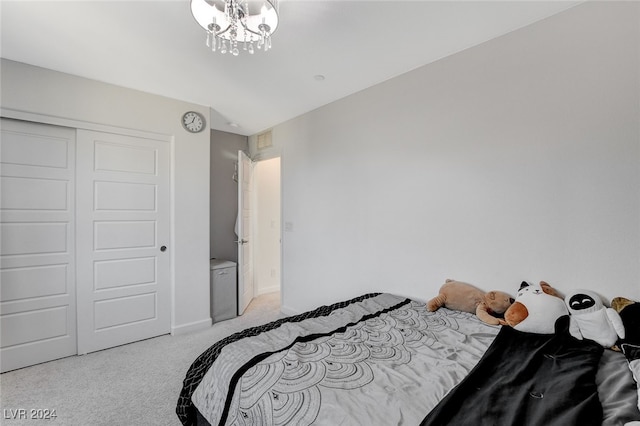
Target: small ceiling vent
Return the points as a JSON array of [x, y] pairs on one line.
[[264, 140]]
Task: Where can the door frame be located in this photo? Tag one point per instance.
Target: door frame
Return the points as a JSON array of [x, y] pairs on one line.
[[257, 157], [257, 219]]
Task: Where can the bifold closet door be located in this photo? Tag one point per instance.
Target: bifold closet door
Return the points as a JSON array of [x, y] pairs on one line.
[[37, 259], [123, 231]]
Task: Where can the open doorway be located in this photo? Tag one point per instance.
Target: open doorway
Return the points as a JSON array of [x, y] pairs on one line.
[[266, 227], [265, 216]]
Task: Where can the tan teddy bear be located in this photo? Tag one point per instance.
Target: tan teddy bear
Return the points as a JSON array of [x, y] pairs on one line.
[[464, 297]]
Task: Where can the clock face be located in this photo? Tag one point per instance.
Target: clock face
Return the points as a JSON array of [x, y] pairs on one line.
[[193, 122]]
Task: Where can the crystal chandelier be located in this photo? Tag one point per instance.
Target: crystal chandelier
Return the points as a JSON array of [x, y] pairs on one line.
[[235, 24]]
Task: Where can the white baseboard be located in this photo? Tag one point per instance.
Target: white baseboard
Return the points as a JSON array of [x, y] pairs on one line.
[[266, 290], [192, 326], [288, 311]]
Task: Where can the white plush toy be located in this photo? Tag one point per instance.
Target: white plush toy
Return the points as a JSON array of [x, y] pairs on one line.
[[536, 309], [590, 319]]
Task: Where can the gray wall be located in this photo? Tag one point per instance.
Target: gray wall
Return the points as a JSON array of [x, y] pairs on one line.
[[518, 159], [224, 193]]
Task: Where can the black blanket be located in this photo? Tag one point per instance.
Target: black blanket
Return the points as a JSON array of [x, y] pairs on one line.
[[527, 379]]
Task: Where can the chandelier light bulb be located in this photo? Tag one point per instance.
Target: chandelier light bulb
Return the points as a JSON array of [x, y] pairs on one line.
[[251, 22]]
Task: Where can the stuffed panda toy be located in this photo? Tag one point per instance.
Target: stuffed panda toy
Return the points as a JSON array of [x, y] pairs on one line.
[[590, 319]]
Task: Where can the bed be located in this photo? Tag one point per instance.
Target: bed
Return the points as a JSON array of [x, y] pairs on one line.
[[381, 359]]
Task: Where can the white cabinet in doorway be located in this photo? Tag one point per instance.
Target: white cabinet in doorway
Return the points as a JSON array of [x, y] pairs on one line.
[[84, 253]]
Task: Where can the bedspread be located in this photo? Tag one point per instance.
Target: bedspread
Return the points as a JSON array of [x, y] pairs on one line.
[[377, 359]]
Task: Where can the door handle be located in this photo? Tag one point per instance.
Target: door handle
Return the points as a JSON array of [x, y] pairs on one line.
[[163, 248], [242, 241]]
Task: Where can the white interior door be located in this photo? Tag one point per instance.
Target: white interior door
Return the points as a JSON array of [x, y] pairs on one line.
[[37, 269], [123, 230], [245, 274]]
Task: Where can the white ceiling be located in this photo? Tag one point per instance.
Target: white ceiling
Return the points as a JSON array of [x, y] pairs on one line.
[[157, 47]]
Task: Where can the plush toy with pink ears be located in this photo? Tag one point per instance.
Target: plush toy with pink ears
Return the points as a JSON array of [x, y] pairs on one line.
[[536, 309]]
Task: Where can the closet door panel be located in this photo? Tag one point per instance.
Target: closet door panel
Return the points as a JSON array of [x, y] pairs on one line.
[[123, 220], [37, 240]]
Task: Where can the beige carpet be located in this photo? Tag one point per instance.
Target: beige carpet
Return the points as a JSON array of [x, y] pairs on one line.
[[135, 384]]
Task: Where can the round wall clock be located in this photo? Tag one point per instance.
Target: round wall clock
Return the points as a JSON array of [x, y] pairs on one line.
[[193, 121]]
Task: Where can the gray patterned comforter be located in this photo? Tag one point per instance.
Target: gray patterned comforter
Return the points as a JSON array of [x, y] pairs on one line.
[[377, 360]]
